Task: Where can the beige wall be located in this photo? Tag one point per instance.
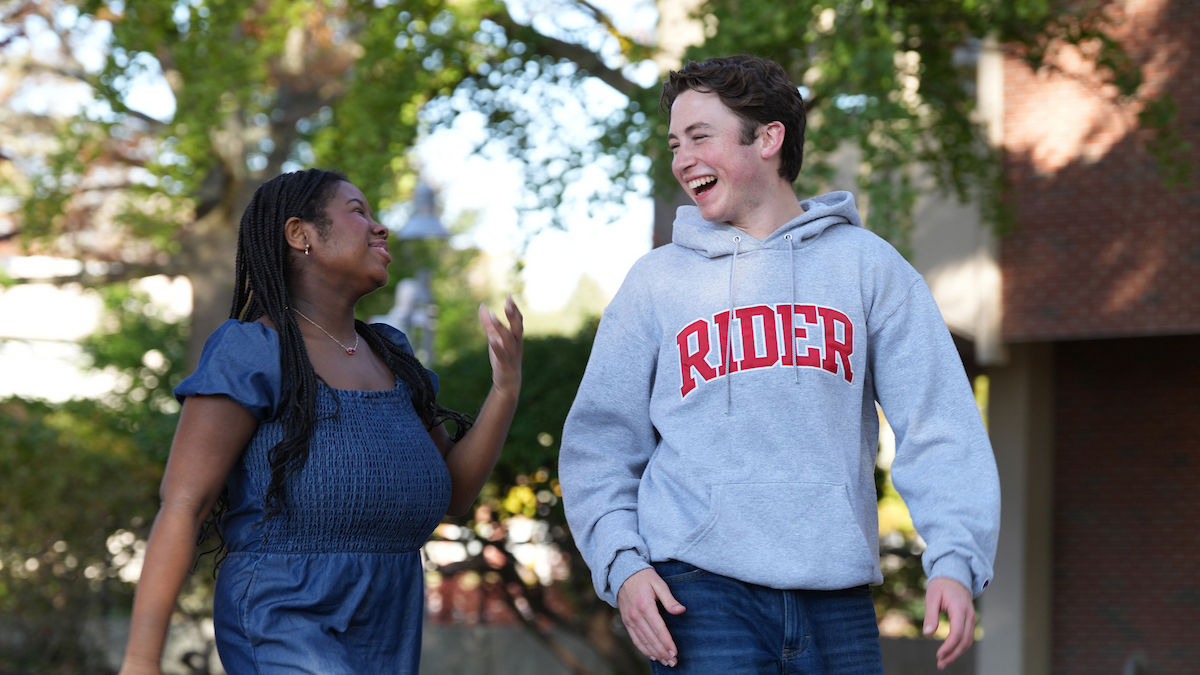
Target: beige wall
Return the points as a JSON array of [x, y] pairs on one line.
[[954, 249], [1015, 610]]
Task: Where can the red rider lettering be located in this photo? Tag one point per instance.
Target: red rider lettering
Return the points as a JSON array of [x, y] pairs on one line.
[[750, 357], [689, 360], [834, 345], [812, 357], [722, 320], [833, 348]]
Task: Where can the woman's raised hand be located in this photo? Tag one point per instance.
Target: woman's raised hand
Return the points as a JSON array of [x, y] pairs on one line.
[[505, 347], [471, 459]]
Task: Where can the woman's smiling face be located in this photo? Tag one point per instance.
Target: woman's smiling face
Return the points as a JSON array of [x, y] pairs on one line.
[[354, 244]]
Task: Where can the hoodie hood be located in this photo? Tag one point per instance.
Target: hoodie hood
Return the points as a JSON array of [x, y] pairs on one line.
[[714, 240]]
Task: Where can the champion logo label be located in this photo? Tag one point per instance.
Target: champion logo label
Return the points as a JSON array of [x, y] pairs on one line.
[[764, 336]]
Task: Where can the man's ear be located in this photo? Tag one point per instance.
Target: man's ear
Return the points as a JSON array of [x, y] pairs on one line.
[[296, 232], [770, 139]]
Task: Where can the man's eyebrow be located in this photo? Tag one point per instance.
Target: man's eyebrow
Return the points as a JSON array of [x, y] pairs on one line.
[[692, 127]]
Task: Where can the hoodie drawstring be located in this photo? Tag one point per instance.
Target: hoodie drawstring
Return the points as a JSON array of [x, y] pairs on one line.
[[737, 243], [789, 332]]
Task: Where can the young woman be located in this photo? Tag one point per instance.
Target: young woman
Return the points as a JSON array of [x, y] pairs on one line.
[[319, 441]]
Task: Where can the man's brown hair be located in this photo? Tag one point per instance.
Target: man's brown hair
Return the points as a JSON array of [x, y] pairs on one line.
[[757, 90]]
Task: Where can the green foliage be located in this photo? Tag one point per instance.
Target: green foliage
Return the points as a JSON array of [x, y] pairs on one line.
[[554, 367], [409, 54], [525, 485], [902, 593], [80, 485], [1161, 117], [79, 495], [146, 351], [217, 54]]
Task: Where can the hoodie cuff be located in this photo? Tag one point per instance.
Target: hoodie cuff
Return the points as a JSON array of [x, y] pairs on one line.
[[957, 568], [625, 565]]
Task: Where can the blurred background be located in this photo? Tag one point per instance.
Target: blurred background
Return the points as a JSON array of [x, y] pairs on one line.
[[1034, 159]]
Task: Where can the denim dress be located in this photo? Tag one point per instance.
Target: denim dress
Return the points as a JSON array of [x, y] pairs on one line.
[[333, 584]]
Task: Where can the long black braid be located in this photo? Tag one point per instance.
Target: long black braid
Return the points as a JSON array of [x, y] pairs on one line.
[[260, 287]]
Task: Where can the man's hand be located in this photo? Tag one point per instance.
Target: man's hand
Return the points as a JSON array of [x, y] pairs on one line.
[[638, 601], [945, 594]]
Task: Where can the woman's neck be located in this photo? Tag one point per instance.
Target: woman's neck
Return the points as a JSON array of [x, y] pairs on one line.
[[333, 313]]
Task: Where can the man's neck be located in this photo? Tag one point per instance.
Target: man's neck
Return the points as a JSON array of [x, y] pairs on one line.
[[778, 207]]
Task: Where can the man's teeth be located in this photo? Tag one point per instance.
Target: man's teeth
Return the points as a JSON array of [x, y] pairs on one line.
[[698, 182]]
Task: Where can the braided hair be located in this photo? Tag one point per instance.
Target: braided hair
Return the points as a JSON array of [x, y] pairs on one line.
[[261, 288]]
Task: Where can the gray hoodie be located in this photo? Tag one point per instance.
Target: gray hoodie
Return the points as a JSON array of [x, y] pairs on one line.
[[767, 474]]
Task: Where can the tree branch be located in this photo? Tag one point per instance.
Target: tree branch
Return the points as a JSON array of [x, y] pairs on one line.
[[586, 59], [156, 125], [124, 272]]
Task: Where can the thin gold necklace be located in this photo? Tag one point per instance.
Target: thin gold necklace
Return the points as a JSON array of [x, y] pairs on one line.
[[349, 350]]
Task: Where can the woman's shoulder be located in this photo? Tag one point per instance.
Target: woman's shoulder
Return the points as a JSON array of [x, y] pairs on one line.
[[240, 360], [256, 333], [393, 335], [245, 344]]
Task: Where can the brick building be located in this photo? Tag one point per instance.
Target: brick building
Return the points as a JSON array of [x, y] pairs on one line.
[[1087, 320]]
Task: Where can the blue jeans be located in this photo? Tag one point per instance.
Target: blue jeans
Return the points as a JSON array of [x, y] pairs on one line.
[[731, 627]]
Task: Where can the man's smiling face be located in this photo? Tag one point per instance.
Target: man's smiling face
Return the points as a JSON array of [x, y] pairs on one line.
[[722, 175]]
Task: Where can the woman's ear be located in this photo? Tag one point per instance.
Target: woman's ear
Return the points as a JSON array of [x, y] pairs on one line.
[[296, 231], [771, 139]]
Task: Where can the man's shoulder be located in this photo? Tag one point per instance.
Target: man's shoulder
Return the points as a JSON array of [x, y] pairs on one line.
[[658, 265], [856, 237], [667, 254], [865, 250]]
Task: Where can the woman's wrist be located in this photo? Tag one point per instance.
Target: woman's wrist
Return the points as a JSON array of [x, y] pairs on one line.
[[506, 394]]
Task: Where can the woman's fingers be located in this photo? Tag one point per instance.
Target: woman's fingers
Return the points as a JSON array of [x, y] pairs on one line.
[[504, 345], [515, 320], [490, 327], [509, 337]]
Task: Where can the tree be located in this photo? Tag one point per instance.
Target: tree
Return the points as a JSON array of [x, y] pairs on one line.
[[258, 88], [267, 85]]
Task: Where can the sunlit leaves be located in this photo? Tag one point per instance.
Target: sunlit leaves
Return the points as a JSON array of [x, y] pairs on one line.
[[147, 350]]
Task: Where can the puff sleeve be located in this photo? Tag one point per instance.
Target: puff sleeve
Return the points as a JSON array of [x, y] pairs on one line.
[[240, 361]]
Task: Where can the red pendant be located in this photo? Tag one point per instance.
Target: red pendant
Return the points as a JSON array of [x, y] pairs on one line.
[[351, 351]]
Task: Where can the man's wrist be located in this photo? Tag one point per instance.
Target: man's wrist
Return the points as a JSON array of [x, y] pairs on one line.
[[957, 569], [626, 564]]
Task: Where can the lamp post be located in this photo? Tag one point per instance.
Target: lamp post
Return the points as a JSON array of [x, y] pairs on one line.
[[415, 308]]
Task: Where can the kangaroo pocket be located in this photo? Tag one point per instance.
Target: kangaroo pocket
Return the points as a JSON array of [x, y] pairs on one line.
[[783, 535]]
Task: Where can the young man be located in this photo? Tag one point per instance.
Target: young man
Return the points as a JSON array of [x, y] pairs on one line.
[[719, 457]]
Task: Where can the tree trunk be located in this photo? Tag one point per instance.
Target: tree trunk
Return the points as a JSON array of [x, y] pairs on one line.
[[664, 215], [208, 259]]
